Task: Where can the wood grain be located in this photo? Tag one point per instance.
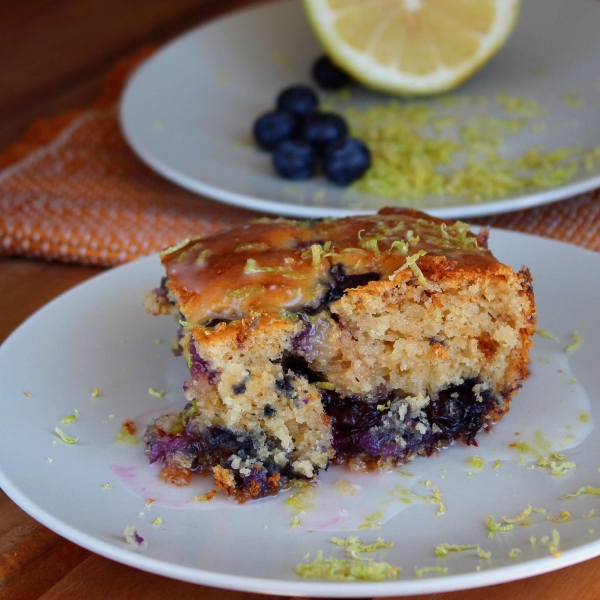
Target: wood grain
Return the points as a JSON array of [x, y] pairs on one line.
[[53, 56]]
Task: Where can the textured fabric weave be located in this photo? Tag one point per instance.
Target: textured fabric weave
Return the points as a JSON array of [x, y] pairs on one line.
[[72, 190]]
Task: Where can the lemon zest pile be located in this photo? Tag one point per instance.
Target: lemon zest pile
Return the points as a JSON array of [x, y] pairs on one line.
[[410, 165], [555, 461], [357, 569]]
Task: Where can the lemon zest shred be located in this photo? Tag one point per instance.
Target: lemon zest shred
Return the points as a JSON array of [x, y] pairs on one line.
[[251, 246], [546, 334], [584, 416], [252, 267], [576, 343], [64, 437], [494, 526], [68, 419], [201, 260], [172, 249], [553, 544], [565, 515], [588, 489], [443, 549], [246, 291], [426, 570], [520, 517], [476, 462], [325, 385], [411, 263]]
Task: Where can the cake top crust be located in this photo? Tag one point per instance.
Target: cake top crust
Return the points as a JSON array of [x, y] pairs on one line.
[[272, 265]]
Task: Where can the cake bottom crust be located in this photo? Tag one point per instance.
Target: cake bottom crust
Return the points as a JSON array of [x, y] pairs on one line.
[[376, 435]]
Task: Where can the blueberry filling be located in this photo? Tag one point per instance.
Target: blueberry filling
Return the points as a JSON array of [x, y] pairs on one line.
[[215, 446], [299, 367], [341, 283], [269, 411], [359, 426], [162, 290], [351, 417], [458, 413], [284, 385]]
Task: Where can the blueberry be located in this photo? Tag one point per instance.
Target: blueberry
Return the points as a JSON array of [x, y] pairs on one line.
[[273, 127], [322, 129], [295, 159], [328, 76], [346, 161], [299, 100]]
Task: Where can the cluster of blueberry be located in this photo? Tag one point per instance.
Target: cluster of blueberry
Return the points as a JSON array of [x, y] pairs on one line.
[[299, 135]]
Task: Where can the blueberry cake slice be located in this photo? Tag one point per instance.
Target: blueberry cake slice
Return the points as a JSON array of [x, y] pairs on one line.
[[364, 340]]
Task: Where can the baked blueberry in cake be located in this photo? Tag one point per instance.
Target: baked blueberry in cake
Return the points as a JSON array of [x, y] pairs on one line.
[[364, 340]]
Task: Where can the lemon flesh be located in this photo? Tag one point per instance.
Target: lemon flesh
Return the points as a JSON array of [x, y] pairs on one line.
[[412, 47]]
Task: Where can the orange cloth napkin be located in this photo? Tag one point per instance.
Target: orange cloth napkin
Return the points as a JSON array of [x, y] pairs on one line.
[[72, 190]]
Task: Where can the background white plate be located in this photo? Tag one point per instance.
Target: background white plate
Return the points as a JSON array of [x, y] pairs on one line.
[[97, 335], [187, 108]]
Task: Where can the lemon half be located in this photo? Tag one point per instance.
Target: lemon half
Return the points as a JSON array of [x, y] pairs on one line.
[[412, 47]]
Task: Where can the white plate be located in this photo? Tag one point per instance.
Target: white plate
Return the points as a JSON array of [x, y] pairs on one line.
[[98, 335], [186, 109]]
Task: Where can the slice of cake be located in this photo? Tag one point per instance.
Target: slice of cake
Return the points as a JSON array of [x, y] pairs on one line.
[[364, 340]]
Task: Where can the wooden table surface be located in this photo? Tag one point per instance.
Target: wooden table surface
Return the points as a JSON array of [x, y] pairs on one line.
[[53, 56]]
